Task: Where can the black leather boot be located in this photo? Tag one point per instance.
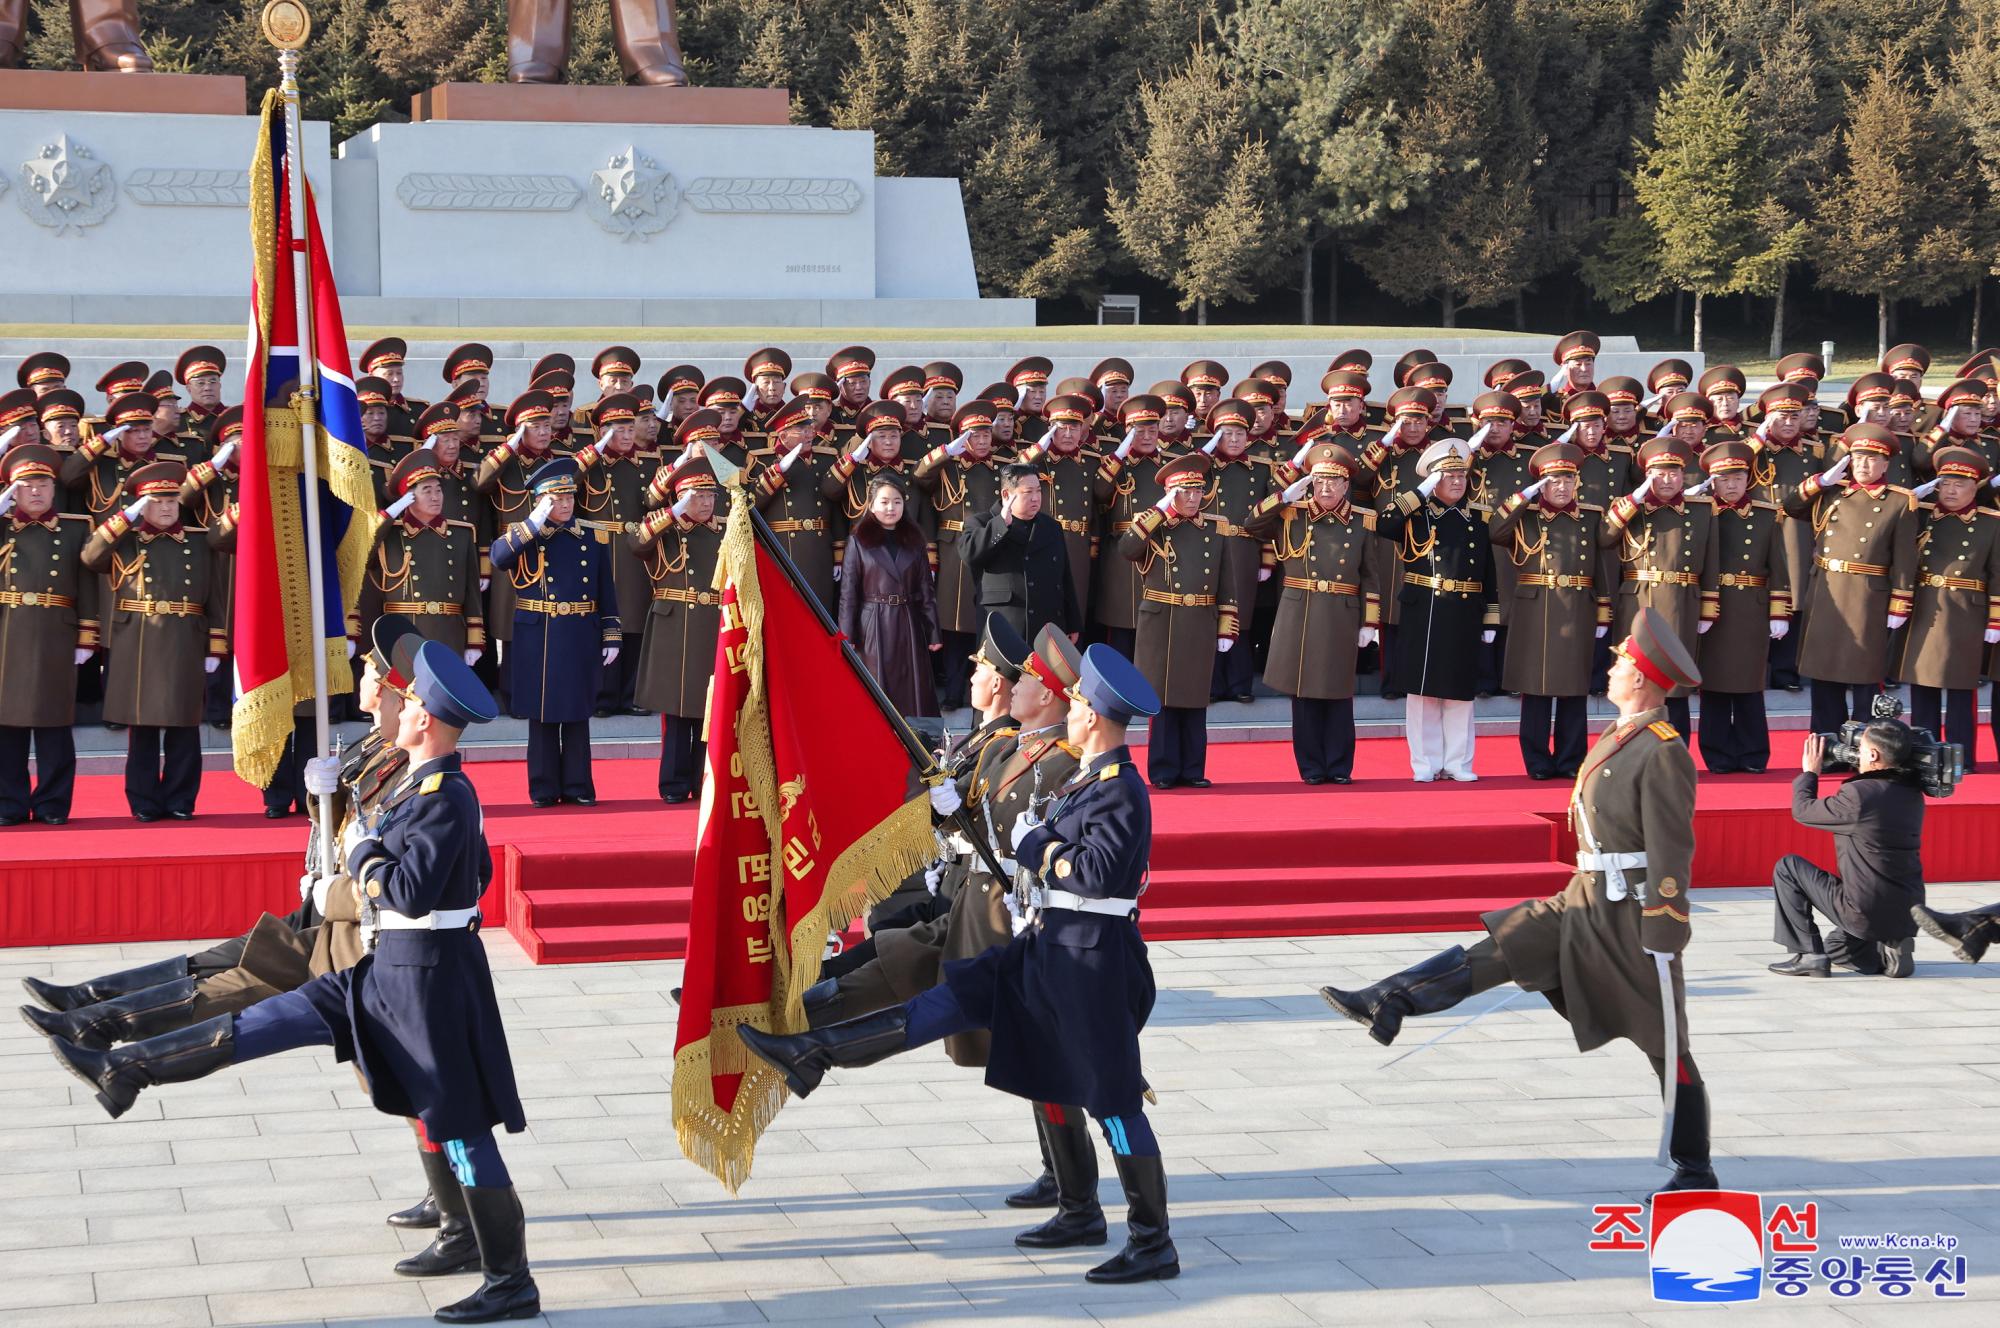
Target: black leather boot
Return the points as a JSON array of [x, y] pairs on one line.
[[1968, 934], [804, 1058], [822, 1001], [1149, 1253], [455, 1250], [1689, 1145], [419, 1216], [1438, 983], [128, 1018], [51, 997], [171, 1058], [509, 1291], [1040, 1192], [1079, 1218]]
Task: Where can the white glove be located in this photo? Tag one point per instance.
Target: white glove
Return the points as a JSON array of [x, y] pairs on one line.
[[663, 409], [83, 655], [7, 497], [610, 654], [1366, 636], [306, 883], [539, 518], [1661, 954], [945, 799], [7, 438], [1296, 490], [322, 775], [1780, 628], [1430, 484], [956, 447], [1223, 644], [353, 649], [1023, 824], [134, 508], [790, 457], [1927, 488], [400, 506], [1834, 473], [1645, 487], [114, 434], [1210, 446], [1263, 574], [680, 508], [860, 451], [211, 664], [1701, 628], [1993, 483], [1897, 620], [1601, 633], [1488, 637], [1166, 503], [1299, 457], [836, 571], [1125, 448], [513, 443], [934, 877], [484, 582], [1700, 489], [1993, 636], [1533, 491], [225, 454]]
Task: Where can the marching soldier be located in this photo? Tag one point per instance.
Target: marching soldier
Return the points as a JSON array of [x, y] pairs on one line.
[[565, 629], [1606, 950], [1238, 484], [678, 547], [424, 566], [1330, 605], [615, 479], [1863, 576], [1449, 600], [1754, 606], [961, 478], [1187, 613], [786, 488], [1956, 613], [1665, 547], [209, 495], [1562, 603], [48, 626], [1127, 483], [163, 600]]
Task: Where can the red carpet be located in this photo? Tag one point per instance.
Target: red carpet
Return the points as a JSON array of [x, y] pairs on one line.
[[1257, 855]]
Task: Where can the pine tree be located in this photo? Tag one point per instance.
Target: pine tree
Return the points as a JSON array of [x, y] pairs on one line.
[[419, 44], [1793, 112], [1975, 69], [1026, 219], [1896, 221], [341, 84]]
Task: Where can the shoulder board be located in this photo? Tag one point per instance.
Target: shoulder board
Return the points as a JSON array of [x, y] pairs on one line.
[[1701, 499], [1619, 447], [1768, 507], [1897, 488], [1070, 747], [453, 521], [1927, 507], [1588, 507], [75, 516], [432, 783], [1108, 772], [1662, 730], [1367, 515]]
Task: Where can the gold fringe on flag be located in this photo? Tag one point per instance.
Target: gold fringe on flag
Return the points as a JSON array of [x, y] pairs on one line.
[[862, 877]]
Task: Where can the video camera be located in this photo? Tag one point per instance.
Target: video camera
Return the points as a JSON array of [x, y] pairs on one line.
[[1938, 766]]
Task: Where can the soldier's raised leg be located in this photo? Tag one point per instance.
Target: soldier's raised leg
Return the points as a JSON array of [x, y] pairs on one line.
[[1435, 985], [1968, 934]]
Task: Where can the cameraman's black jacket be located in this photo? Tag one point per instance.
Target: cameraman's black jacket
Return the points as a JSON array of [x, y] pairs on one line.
[[1877, 820]]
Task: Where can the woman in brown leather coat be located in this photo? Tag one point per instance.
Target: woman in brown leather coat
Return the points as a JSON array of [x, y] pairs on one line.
[[887, 606]]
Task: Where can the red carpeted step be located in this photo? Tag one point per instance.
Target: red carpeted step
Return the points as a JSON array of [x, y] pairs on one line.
[[544, 868], [1520, 837], [1224, 889], [605, 905], [1353, 918], [611, 943]]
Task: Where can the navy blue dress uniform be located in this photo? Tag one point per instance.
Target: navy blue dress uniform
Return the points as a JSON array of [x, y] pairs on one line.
[[1066, 999], [418, 1016], [565, 622]]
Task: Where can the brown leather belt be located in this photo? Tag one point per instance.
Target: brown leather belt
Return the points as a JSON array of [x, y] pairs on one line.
[[1321, 585], [679, 596], [1654, 577], [811, 525], [434, 607], [1952, 582], [1743, 580], [34, 599], [167, 608], [1444, 584], [558, 608], [1559, 582], [1849, 566], [1178, 601]]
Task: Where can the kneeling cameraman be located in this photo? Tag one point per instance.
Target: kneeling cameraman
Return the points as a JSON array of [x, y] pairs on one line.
[[1877, 819]]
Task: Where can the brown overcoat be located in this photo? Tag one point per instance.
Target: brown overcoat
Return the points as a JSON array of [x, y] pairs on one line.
[[955, 488], [1958, 597], [683, 613], [1315, 637], [1666, 562], [48, 610], [430, 574], [1235, 489], [610, 500], [502, 479], [1497, 474], [157, 627], [1186, 606], [1753, 589], [1843, 614], [1122, 490], [1560, 594], [799, 515]]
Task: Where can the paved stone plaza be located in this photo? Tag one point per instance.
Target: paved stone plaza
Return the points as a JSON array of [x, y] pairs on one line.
[[1308, 1184]]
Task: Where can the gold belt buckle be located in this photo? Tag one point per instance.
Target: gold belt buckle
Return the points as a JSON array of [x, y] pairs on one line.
[[30, 600], [433, 607]]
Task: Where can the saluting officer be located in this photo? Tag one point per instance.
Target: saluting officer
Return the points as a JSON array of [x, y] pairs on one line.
[[565, 628], [424, 565], [1187, 613], [48, 625], [1238, 483], [1664, 381], [678, 547], [679, 392], [962, 479], [1449, 600], [383, 444], [209, 497], [1724, 385], [1029, 377], [874, 444], [1562, 604], [1786, 452], [1863, 577], [1499, 470], [1665, 547], [1329, 605], [1605, 471], [1956, 613], [100, 470], [1068, 486], [786, 488], [615, 478], [1606, 950], [765, 371], [384, 359], [615, 368], [164, 634], [1575, 357], [852, 369], [504, 481], [1127, 483], [1389, 467], [1753, 609]]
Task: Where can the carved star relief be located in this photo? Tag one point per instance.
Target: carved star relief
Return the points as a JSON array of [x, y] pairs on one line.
[[631, 196], [65, 187]]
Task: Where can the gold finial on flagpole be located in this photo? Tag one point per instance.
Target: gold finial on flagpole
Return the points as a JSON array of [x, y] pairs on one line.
[[286, 24]]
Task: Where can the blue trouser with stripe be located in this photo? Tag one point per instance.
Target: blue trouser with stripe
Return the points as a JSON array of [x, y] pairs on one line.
[[936, 1014], [287, 1022]]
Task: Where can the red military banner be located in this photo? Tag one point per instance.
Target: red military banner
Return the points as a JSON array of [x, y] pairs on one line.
[[812, 811]]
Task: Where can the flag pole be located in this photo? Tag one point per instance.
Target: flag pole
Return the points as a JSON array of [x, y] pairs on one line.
[[287, 25]]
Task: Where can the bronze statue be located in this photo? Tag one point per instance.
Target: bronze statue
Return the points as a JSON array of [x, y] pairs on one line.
[[649, 48], [106, 34]]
